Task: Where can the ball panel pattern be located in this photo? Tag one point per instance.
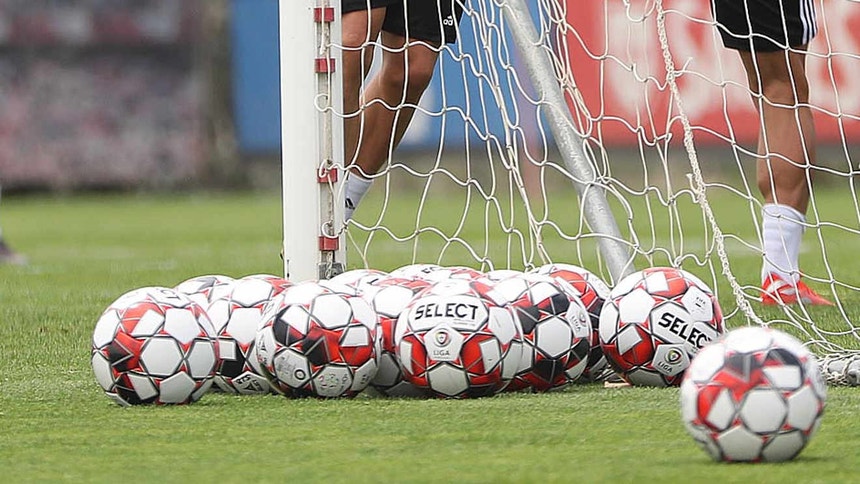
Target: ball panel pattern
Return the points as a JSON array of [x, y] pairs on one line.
[[153, 345], [203, 289], [752, 396], [414, 271], [319, 339], [654, 308], [236, 312], [362, 280], [555, 327], [592, 292], [453, 341]]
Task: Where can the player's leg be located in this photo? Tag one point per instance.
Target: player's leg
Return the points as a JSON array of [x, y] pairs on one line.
[[390, 98], [388, 108], [361, 23], [428, 25], [787, 139], [358, 28], [761, 30], [786, 147], [787, 151], [411, 37]]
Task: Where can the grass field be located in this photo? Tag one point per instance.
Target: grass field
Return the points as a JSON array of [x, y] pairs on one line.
[[58, 426]]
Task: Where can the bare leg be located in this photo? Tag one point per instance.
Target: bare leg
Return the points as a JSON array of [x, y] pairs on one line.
[[359, 28], [788, 128], [403, 78]]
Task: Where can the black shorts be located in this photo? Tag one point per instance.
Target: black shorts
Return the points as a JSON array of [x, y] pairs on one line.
[[433, 21], [764, 25]]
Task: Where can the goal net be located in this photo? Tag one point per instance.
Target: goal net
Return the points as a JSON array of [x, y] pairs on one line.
[[612, 135]]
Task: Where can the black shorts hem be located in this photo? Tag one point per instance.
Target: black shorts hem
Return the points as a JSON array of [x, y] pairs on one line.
[[432, 21], [348, 6], [752, 43], [764, 25]]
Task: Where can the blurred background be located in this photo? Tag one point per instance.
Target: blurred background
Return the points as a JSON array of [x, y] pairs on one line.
[[104, 94], [168, 94]]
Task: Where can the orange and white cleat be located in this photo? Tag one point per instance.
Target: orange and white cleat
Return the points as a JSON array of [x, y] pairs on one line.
[[777, 290]]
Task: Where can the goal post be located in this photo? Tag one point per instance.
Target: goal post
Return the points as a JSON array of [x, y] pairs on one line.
[[311, 139], [633, 103], [595, 207]]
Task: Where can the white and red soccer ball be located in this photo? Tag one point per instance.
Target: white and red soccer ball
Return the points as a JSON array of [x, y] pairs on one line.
[[389, 297], [154, 345], [236, 314], [555, 328], [453, 272], [319, 339], [412, 271], [362, 280], [592, 293], [454, 342], [654, 321], [754, 395], [204, 289]]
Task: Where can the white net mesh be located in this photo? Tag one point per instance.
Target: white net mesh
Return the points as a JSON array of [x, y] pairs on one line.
[[665, 120]]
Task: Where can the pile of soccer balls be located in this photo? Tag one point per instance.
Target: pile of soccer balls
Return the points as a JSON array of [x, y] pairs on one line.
[[454, 332]]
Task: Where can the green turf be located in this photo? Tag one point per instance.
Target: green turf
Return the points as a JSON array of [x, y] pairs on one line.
[[58, 426]]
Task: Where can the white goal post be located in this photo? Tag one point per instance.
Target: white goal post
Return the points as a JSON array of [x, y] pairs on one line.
[[311, 138], [634, 103]]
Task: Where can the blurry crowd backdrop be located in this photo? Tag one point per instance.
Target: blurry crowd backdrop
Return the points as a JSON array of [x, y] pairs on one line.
[[113, 93]]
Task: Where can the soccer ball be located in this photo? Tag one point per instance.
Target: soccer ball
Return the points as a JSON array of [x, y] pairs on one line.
[[389, 297], [500, 275], [754, 395], [555, 327], [204, 289], [362, 280], [455, 272], [154, 345], [592, 292], [654, 322], [412, 271], [236, 314], [319, 339], [456, 343]]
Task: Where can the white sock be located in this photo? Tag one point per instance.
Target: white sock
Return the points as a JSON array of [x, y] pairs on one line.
[[354, 190], [782, 231]]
